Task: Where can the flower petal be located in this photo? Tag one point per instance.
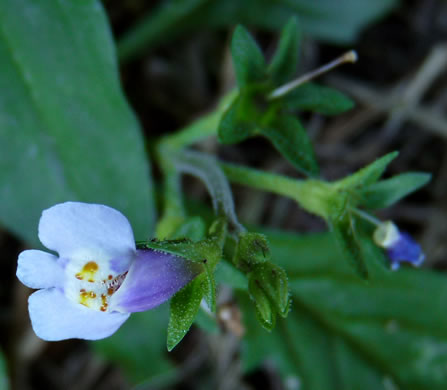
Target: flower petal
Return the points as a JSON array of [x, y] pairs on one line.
[[153, 278], [405, 249], [85, 230], [38, 269], [55, 318]]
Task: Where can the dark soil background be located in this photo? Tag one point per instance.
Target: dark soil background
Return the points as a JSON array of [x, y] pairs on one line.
[[400, 87]]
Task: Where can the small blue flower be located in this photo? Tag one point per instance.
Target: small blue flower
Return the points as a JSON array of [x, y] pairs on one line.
[[99, 277], [400, 246]]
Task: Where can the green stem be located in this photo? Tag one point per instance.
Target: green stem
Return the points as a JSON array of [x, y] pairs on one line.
[[312, 195], [202, 128], [173, 209], [367, 217]]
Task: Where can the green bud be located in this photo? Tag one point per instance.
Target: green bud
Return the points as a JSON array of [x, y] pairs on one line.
[[273, 281], [265, 311], [251, 249]]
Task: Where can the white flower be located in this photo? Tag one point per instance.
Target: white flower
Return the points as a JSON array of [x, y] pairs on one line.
[[99, 277]]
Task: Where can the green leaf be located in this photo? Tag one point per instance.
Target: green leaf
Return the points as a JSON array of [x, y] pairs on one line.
[[184, 307], [343, 333], [158, 26], [367, 175], [248, 60], [387, 192], [206, 322], [66, 130], [317, 98], [228, 274], [349, 241], [284, 63], [291, 140], [321, 19], [209, 288], [203, 251], [140, 340], [193, 229], [239, 121]]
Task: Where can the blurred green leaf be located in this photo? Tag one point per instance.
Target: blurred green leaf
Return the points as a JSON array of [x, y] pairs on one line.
[[289, 137], [239, 122], [66, 130], [349, 240], [367, 175], [248, 60], [206, 322], [322, 19], [343, 333], [284, 63], [387, 192], [184, 307], [227, 274], [317, 98], [193, 228], [4, 380], [139, 347]]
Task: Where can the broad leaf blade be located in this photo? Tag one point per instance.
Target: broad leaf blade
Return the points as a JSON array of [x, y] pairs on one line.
[[66, 131], [385, 193], [291, 140], [248, 60], [139, 341], [391, 330], [317, 98]]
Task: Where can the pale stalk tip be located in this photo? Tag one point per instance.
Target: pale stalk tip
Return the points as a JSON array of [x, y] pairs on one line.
[[351, 56]]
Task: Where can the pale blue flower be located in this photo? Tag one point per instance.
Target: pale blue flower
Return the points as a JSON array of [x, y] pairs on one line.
[[400, 246], [98, 277]]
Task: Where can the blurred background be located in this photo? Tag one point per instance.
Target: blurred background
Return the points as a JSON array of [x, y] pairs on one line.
[[174, 65]]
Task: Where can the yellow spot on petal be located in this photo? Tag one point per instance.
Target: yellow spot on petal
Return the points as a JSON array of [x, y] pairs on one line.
[[85, 297], [104, 303], [88, 272]]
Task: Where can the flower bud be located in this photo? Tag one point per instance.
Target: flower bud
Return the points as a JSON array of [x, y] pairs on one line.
[[273, 281], [265, 312], [251, 249]]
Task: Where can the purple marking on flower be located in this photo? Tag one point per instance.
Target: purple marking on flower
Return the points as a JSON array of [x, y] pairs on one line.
[[99, 277], [405, 249], [119, 265], [153, 278], [400, 246]]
